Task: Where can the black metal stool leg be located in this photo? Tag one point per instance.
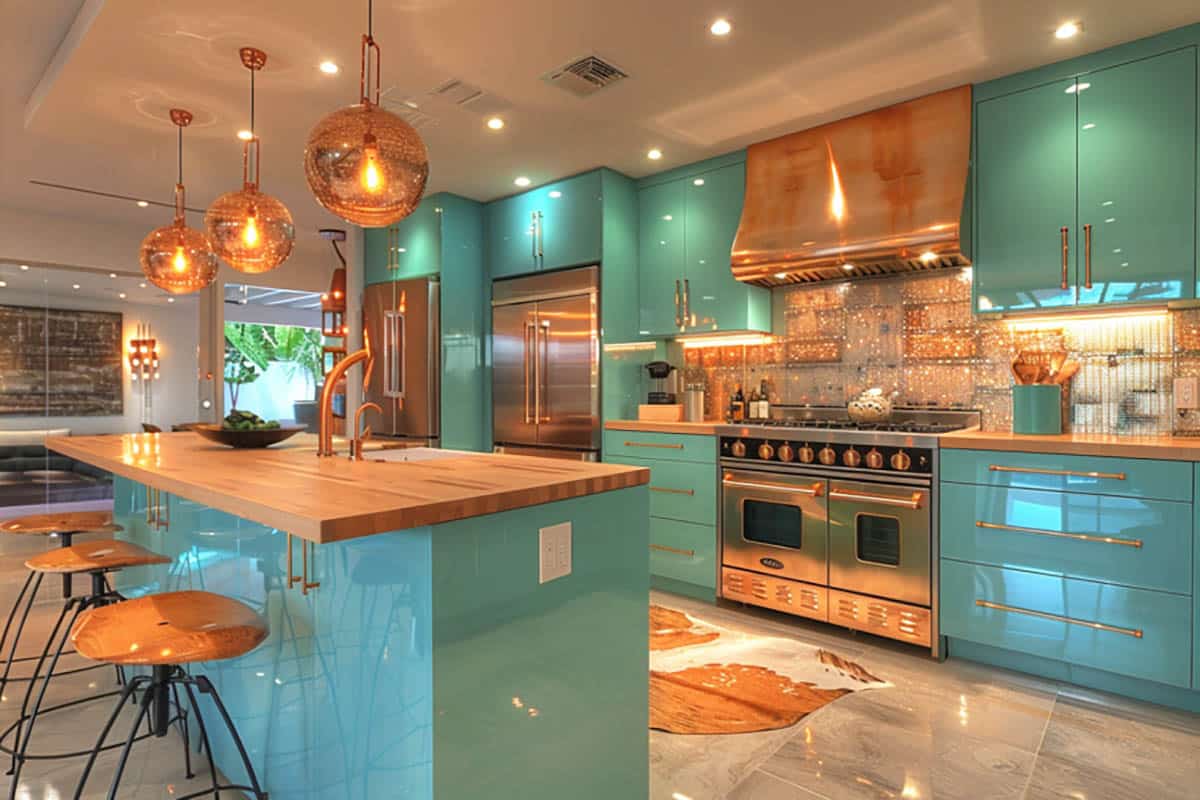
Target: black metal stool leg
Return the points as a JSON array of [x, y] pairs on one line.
[[183, 730], [143, 710], [67, 538], [12, 650], [126, 693], [204, 743], [12, 615], [206, 687], [33, 679]]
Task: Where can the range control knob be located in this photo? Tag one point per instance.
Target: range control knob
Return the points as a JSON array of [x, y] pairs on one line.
[[786, 452], [765, 451], [738, 449], [806, 454], [901, 461], [828, 456], [875, 459], [851, 458]]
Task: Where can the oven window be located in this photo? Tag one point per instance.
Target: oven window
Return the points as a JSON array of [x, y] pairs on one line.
[[878, 539], [771, 523]]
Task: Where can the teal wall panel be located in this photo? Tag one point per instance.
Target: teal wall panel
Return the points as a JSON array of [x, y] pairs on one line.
[[465, 326]]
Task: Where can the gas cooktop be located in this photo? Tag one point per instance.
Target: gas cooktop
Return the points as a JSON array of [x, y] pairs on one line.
[[903, 426]]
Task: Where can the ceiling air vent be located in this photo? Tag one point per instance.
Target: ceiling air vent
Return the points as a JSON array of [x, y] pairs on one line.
[[585, 76]]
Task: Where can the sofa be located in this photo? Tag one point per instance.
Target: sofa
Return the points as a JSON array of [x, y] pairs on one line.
[[32, 475]]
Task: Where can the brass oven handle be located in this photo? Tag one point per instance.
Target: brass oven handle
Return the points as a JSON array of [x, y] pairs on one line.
[[1079, 537], [665, 490], [913, 502], [1099, 626], [1066, 252], [652, 444], [675, 550], [815, 489], [1116, 476], [1087, 256]]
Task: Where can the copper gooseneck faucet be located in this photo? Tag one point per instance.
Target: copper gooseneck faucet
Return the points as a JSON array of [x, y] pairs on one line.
[[325, 412]]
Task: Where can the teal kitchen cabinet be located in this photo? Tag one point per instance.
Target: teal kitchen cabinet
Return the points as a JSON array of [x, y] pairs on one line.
[[1137, 181], [1085, 186], [688, 223], [553, 226], [409, 249]]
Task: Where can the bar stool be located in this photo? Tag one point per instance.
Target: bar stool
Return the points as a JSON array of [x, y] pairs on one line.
[[95, 559], [164, 632]]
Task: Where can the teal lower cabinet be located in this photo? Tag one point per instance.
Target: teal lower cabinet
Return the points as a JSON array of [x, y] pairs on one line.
[[430, 662], [684, 554], [1097, 586]]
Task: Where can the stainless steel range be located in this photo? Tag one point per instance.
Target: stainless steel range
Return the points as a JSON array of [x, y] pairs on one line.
[[836, 521]]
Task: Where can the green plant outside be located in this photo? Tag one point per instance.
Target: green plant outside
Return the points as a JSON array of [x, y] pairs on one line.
[[250, 348]]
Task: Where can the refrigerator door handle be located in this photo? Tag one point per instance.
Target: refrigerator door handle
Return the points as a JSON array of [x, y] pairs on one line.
[[393, 354], [537, 376], [528, 356], [545, 370]]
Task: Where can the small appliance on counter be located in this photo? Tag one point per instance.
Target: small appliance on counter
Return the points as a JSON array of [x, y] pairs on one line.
[[662, 401], [693, 403]]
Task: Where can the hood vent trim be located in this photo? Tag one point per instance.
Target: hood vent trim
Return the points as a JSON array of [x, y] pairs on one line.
[[869, 196]]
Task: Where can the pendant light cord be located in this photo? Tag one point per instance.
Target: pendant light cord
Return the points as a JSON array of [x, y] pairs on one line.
[[370, 19], [252, 103], [180, 159]]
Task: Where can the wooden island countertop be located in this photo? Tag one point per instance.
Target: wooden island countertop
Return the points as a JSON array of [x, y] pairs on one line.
[[1163, 447], [330, 499]]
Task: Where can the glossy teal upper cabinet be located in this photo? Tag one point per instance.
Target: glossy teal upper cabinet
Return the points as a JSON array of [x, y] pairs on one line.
[[1085, 186], [688, 222], [1137, 180], [1025, 199], [409, 249], [553, 226]]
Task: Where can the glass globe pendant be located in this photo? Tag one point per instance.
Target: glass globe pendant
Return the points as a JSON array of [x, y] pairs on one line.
[[251, 231], [176, 258], [364, 163]]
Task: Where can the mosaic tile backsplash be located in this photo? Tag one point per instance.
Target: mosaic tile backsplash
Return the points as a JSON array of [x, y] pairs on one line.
[[916, 336]]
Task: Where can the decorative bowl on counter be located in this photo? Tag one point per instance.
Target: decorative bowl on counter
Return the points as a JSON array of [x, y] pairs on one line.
[[870, 406], [264, 437]]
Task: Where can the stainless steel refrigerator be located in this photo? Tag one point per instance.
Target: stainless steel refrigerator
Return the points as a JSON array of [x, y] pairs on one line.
[[546, 364], [402, 322]]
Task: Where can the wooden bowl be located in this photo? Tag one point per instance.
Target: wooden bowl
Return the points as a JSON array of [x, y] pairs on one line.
[[248, 439]]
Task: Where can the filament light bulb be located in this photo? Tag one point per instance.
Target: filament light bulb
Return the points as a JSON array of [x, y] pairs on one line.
[[372, 176], [180, 262], [250, 232]]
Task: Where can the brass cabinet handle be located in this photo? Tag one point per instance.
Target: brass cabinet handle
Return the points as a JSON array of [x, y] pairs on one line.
[[1087, 256], [302, 578], [913, 502], [678, 306], [1116, 476], [675, 550], [1079, 537], [665, 490], [815, 489], [533, 226], [688, 319], [652, 444], [1099, 626], [1066, 252]]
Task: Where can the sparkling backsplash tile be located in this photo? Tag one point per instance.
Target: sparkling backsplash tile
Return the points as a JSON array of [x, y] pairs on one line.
[[916, 336]]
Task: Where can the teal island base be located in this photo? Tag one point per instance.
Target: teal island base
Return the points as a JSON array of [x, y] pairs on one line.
[[428, 663]]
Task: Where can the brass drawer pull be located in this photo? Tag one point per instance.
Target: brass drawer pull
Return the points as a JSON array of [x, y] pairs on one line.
[[665, 490], [1066, 252], [815, 489], [1099, 626], [675, 550], [913, 502], [1115, 476], [1079, 537], [652, 444]]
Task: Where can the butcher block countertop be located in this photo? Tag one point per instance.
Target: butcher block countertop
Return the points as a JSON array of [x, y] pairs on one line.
[[1166, 448], [331, 499], [650, 426]]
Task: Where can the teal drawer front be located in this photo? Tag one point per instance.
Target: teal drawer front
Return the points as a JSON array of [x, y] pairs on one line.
[[1124, 477], [1126, 540], [684, 552], [663, 446], [680, 489], [1128, 631]]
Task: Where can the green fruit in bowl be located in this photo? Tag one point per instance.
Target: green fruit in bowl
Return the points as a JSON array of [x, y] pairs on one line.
[[238, 420]]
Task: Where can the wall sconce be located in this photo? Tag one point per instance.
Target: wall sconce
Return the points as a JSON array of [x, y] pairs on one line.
[[143, 365]]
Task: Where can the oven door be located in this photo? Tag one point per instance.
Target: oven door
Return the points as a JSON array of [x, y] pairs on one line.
[[775, 524], [879, 540]]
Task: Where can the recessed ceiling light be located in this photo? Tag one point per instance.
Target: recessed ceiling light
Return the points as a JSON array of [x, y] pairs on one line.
[[142, 203], [112, 274], [698, 182], [1068, 30], [121, 295], [142, 285], [3, 284], [555, 194], [24, 267], [170, 299], [522, 181], [74, 285], [720, 27], [495, 123], [245, 135], [328, 67], [655, 154]]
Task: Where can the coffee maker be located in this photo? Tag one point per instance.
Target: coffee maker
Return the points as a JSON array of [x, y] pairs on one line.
[[664, 384]]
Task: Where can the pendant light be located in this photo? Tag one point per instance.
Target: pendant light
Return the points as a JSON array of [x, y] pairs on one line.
[[177, 258], [251, 231], [363, 163]]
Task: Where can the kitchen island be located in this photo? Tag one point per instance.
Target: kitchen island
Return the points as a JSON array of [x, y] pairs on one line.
[[414, 652]]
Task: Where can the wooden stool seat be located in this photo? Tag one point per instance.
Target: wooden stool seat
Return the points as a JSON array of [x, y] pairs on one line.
[[169, 629], [99, 556], [63, 522]]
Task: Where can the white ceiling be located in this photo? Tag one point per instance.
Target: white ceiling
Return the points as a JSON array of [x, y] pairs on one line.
[[86, 105], [38, 284]]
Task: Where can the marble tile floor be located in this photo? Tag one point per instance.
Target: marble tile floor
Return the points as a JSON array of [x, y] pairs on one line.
[[955, 730]]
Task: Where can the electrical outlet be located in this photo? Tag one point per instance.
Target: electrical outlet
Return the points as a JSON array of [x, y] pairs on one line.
[[554, 552], [1187, 393]]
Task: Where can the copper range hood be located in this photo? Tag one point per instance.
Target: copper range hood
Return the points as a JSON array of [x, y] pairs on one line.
[[872, 195]]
